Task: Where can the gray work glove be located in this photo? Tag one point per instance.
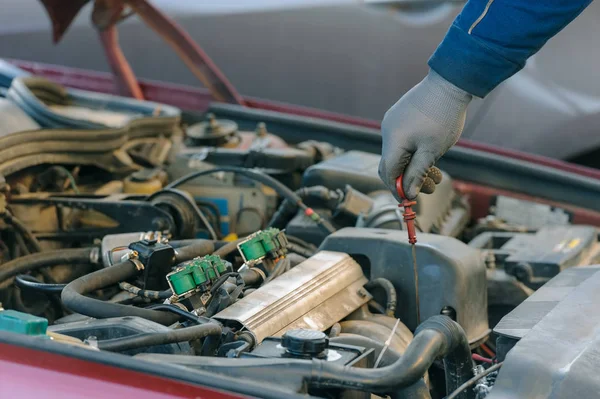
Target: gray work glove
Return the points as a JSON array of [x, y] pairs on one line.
[[418, 130]]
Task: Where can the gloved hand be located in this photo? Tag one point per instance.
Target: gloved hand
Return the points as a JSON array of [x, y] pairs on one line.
[[418, 130]]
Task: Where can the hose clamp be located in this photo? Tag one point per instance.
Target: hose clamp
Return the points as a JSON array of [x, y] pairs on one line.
[[95, 256], [138, 264]]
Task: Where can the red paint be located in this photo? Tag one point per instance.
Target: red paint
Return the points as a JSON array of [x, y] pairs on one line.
[[480, 198], [409, 215], [27, 373], [199, 100]]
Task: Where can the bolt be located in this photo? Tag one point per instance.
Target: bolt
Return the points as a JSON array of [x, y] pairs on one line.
[[261, 129], [213, 124], [449, 311], [362, 293]]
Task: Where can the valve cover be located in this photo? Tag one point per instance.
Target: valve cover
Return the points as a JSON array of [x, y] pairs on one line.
[[315, 294]]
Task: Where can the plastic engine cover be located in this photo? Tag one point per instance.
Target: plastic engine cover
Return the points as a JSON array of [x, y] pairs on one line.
[[556, 341], [359, 170], [451, 274], [117, 327]]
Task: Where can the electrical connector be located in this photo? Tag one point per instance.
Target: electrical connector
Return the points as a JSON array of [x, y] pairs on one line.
[[22, 323], [196, 275], [265, 244]]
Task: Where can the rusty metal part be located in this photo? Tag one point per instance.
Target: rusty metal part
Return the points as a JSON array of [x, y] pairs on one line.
[[315, 295], [127, 83], [192, 55], [105, 16]]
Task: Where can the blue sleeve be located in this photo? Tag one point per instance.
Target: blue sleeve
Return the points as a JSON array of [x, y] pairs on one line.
[[490, 40]]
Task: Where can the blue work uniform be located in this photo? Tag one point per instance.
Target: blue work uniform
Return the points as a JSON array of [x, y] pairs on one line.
[[490, 40]]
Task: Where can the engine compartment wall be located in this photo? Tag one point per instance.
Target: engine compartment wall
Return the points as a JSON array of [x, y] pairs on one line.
[[558, 354]]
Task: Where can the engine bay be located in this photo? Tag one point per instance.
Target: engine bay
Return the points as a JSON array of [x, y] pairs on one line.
[[205, 242]]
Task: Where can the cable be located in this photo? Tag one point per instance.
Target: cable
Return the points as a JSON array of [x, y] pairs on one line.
[[249, 173], [31, 283], [204, 220], [24, 230], [70, 177], [487, 350], [390, 292], [160, 338], [217, 213], [238, 217], [479, 358], [220, 281], [145, 293], [473, 380], [180, 312], [45, 259], [265, 179]]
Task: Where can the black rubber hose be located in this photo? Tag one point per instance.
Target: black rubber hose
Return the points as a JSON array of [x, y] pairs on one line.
[[301, 242], [228, 248], [160, 338], [73, 296], [39, 260], [307, 253], [390, 292], [418, 390], [198, 248], [31, 283], [438, 336], [180, 312], [23, 230], [251, 277], [265, 179]]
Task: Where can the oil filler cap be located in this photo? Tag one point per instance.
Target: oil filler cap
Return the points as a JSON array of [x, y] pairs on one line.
[[302, 342]]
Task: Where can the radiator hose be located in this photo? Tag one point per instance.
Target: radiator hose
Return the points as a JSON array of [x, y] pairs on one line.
[[73, 296], [438, 336], [32, 262], [160, 338]]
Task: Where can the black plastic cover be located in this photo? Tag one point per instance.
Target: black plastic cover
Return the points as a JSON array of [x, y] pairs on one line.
[[273, 347], [534, 258], [356, 168], [558, 348], [118, 327], [157, 259], [451, 274], [442, 212]]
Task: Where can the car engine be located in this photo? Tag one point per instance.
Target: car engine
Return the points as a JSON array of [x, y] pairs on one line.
[[131, 227]]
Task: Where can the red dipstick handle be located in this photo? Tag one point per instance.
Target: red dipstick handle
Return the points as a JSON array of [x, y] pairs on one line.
[[409, 214]]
